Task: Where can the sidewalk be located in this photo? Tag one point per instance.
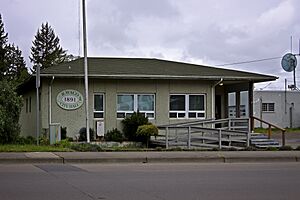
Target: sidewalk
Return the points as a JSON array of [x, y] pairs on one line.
[[151, 157]]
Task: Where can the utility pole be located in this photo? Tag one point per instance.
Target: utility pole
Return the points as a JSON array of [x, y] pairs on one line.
[[38, 84], [86, 82]]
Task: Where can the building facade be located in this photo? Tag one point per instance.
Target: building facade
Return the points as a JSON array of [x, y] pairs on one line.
[[281, 108], [166, 92]]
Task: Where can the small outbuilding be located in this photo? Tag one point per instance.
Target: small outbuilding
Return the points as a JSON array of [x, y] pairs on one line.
[[165, 91]]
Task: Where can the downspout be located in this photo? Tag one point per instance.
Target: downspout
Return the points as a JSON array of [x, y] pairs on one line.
[[213, 98], [50, 98]]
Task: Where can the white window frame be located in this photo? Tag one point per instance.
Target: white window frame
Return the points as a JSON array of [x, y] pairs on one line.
[[103, 102], [187, 109], [268, 107], [135, 106]]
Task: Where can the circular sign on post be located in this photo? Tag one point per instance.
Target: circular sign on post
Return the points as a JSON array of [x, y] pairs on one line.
[[69, 99], [289, 62]]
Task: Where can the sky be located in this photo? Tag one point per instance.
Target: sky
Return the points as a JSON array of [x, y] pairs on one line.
[[208, 32]]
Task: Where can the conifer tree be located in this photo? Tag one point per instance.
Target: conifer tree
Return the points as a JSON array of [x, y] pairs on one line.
[[46, 50], [16, 66], [3, 43]]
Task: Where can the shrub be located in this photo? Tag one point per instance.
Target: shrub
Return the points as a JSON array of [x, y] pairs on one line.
[[86, 147], [10, 108], [44, 140], [131, 124], [82, 134], [25, 140], [114, 135], [64, 143], [146, 131], [286, 148]]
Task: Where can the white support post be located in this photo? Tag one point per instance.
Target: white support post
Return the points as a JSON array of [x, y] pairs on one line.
[[189, 137], [167, 137], [220, 139]]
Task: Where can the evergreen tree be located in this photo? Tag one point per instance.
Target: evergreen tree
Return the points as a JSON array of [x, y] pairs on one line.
[[16, 66], [46, 50], [3, 43]]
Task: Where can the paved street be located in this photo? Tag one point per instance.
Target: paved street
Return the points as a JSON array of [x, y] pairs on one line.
[[150, 181]]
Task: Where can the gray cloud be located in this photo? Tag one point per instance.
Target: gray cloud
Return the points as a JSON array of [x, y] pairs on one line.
[[205, 32]]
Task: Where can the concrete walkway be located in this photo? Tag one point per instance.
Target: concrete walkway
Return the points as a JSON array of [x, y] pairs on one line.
[[152, 157]]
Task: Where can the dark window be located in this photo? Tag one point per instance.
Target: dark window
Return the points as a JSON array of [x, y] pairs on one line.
[[177, 102]]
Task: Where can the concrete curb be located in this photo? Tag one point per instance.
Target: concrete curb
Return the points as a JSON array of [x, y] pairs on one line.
[[149, 157]]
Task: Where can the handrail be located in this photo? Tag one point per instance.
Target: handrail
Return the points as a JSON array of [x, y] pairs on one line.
[[270, 125]]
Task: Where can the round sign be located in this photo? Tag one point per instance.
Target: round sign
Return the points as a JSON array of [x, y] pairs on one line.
[[289, 62], [69, 99]]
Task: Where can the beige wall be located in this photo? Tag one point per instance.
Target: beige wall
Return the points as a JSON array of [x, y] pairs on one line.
[[75, 119], [28, 119]]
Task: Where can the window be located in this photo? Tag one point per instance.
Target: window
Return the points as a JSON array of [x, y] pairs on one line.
[[26, 105], [130, 103], [187, 106], [268, 107], [98, 106]]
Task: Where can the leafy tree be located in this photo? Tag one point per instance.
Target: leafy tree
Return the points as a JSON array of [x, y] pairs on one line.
[[10, 108], [46, 50]]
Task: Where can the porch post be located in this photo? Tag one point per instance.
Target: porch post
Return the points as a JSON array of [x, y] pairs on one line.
[[250, 100]]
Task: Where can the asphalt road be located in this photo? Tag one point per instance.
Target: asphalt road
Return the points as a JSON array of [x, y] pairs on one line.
[[150, 181]]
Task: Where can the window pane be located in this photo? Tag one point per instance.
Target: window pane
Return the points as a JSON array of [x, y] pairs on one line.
[[192, 115], [200, 115], [98, 102], [120, 115], [146, 102], [264, 107], [177, 102], [150, 115], [125, 102], [173, 115], [181, 115], [271, 107], [98, 115], [196, 102]]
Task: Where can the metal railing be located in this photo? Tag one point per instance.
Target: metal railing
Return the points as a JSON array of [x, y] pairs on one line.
[[210, 133]]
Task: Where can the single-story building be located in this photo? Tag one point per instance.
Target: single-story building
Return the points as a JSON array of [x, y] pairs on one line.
[[164, 91], [281, 108]]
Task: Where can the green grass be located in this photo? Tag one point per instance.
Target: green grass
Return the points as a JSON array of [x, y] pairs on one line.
[[31, 148], [274, 130]]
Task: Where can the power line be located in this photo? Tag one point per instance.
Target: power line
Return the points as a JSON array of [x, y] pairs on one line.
[[249, 61]]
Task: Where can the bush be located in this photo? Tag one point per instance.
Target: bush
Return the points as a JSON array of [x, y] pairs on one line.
[[286, 148], [146, 131], [86, 147], [131, 124], [114, 135], [28, 140], [44, 140], [64, 143], [82, 134], [10, 108]]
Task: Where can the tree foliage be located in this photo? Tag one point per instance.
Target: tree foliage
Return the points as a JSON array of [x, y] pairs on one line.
[[12, 73], [46, 50], [12, 63], [10, 108], [131, 124]]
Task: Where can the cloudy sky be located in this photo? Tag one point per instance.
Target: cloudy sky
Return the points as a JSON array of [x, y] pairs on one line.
[[210, 32]]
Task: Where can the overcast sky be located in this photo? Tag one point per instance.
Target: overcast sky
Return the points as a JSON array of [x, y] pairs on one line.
[[210, 32]]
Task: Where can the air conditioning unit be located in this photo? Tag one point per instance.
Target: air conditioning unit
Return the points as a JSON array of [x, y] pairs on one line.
[[100, 128]]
